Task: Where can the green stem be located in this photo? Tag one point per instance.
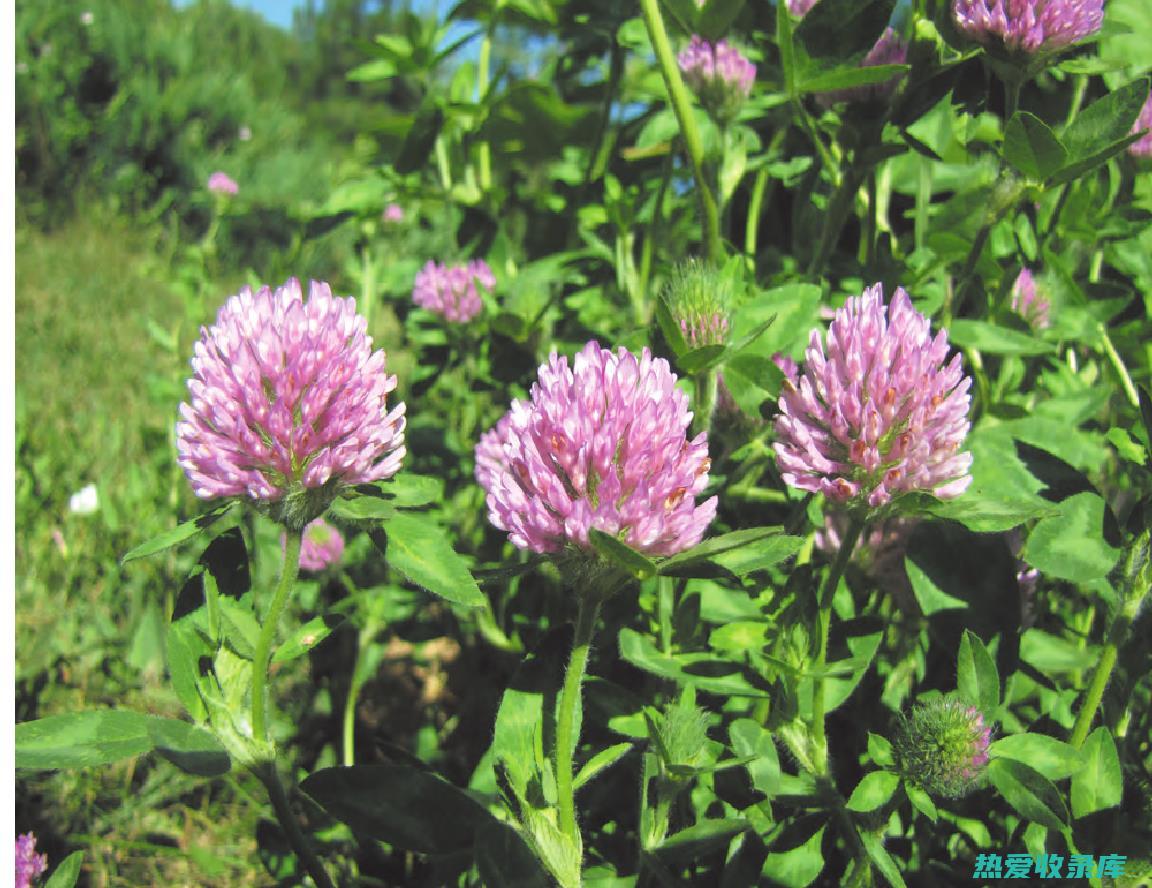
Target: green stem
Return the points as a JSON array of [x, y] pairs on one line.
[[300, 845], [755, 200], [1138, 583], [349, 725], [1118, 365], [571, 707], [268, 632], [367, 285], [685, 116], [1094, 695], [485, 149], [834, 218], [825, 615], [705, 403]]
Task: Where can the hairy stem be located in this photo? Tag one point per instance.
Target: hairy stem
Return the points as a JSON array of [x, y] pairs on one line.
[[685, 116], [825, 615], [268, 632], [300, 845], [571, 708]]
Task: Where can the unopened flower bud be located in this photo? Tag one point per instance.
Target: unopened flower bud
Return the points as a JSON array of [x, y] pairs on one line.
[[942, 747]]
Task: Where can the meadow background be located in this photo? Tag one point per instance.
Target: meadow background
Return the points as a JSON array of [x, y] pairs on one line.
[[536, 135]]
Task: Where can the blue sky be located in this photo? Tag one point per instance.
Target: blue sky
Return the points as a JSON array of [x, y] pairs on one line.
[[279, 12]]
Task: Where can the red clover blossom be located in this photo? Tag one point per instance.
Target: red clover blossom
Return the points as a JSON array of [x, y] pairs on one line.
[[288, 403], [29, 865], [1029, 26], [877, 413], [451, 290], [1028, 302], [719, 74], [222, 183], [601, 444], [1142, 147]]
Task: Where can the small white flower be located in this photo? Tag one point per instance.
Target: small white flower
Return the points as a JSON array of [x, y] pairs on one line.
[[244, 134], [87, 18], [85, 501]]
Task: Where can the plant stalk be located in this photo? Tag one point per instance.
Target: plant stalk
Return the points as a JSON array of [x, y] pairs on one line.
[[820, 742], [266, 771], [268, 632], [685, 115], [571, 707]]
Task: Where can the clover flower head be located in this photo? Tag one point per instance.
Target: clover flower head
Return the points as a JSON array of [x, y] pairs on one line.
[[1028, 302], [600, 444], [29, 865], [719, 74], [222, 183], [877, 413], [287, 404], [1142, 147], [800, 8], [1028, 26], [890, 49], [321, 546], [451, 290], [393, 213], [942, 747], [698, 299]]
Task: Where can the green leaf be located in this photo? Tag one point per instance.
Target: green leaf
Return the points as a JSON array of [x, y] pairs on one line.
[[67, 873], [1031, 147], [1100, 783], [1031, 793], [931, 598], [703, 358], [421, 139], [759, 555], [873, 790], [839, 687], [705, 671], [697, 840], [188, 747], [239, 626], [185, 646], [680, 565], [800, 861], [81, 739], [1071, 545], [785, 38], [1127, 446], [1106, 121], [621, 554], [403, 806], [874, 845], [505, 861], [717, 17], [1051, 757], [673, 335], [989, 338], [977, 680], [527, 711], [752, 740], [880, 750], [921, 801], [601, 761], [842, 28], [420, 550], [848, 76], [305, 638], [177, 535]]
